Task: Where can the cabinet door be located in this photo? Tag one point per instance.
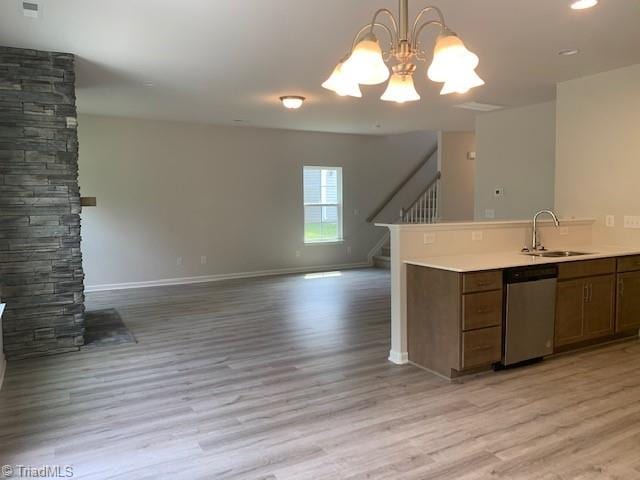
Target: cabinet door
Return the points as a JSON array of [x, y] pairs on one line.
[[600, 307], [628, 317], [570, 300]]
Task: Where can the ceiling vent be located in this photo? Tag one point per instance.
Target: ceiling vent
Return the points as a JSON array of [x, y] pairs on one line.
[[479, 107], [30, 9]]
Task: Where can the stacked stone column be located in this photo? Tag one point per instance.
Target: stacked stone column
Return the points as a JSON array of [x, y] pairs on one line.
[[41, 276]]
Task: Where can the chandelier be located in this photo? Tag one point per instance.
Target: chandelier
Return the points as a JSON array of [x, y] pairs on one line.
[[452, 65]]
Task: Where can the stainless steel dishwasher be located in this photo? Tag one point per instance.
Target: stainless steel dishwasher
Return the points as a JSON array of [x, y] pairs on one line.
[[530, 307]]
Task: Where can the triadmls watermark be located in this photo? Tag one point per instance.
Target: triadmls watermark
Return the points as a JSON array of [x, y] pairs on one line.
[[36, 471]]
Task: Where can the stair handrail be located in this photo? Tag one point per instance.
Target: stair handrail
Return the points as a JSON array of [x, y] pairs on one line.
[[432, 191], [395, 191]]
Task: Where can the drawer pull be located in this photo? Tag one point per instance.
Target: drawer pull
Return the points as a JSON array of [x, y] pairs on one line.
[[482, 347], [484, 311]]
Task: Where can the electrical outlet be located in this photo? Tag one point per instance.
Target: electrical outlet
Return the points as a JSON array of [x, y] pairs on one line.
[[631, 222], [429, 238], [564, 231], [610, 221], [349, 250], [179, 261], [477, 236], [203, 260], [489, 213], [298, 254]]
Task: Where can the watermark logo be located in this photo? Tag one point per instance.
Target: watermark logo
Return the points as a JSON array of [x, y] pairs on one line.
[[39, 471]]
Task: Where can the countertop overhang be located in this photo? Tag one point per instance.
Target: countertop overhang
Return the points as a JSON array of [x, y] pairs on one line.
[[473, 262]]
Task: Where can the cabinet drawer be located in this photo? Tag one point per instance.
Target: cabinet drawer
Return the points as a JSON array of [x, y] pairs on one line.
[[481, 347], [629, 264], [480, 310], [482, 281], [587, 268]]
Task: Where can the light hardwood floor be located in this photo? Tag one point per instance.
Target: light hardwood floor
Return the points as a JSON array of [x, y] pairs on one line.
[[287, 378]]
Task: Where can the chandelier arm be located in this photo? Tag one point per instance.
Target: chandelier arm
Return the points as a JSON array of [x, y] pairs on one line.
[[417, 32], [414, 32], [391, 17], [369, 26]]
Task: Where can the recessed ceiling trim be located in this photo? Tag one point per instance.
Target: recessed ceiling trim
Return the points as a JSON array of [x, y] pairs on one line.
[[567, 52]]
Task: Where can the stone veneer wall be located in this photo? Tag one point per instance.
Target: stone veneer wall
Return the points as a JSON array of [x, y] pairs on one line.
[[41, 277]]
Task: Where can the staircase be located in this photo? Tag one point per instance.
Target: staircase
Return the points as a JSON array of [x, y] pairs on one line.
[[423, 210], [383, 259]]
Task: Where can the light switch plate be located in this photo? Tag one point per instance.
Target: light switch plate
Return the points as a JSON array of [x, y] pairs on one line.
[[489, 213], [610, 221], [429, 238], [477, 236], [631, 222]]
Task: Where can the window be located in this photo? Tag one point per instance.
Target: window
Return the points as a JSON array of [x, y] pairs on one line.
[[322, 204]]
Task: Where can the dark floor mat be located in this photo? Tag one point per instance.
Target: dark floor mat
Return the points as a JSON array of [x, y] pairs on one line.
[[105, 328]]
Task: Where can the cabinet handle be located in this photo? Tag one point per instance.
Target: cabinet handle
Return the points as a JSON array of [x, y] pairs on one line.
[[585, 293], [590, 292], [483, 311]]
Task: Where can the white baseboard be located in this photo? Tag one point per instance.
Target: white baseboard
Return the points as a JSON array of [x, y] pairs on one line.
[[399, 358], [3, 369], [224, 276]]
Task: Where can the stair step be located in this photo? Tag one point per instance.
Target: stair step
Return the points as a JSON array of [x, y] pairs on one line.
[[381, 261]]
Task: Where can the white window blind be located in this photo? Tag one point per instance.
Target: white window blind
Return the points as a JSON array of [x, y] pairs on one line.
[[322, 204]]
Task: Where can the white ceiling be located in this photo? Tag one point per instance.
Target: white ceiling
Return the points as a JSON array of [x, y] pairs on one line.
[[216, 61]]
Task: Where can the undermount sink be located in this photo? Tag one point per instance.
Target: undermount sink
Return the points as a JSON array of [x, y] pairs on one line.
[[555, 254]]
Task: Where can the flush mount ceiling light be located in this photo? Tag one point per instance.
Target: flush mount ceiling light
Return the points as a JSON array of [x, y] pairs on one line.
[[583, 4], [292, 102], [452, 64]]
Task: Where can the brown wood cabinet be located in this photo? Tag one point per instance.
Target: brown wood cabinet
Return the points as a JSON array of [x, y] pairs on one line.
[[628, 297], [454, 320], [585, 306]]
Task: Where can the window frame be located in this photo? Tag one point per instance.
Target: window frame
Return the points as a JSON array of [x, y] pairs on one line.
[[339, 206]]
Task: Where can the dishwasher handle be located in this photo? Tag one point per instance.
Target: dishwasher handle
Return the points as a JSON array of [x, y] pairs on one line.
[[530, 274]]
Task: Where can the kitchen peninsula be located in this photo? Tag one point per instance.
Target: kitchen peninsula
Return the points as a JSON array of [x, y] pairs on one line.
[[448, 290]]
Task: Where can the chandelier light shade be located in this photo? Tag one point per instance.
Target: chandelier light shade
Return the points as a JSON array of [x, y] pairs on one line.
[[400, 89], [451, 59], [462, 84], [452, 63], [365, 65], [341, 84]]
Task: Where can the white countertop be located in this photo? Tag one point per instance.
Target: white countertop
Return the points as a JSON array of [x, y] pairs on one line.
[[473, 262]]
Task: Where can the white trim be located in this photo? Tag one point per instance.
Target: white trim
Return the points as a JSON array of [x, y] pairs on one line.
[[3, 363], [399, 358], [224, 276], [3, 369], [482, 225], [324, 242]]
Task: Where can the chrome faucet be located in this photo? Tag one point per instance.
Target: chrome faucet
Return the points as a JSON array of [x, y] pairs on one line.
[[535, 245]]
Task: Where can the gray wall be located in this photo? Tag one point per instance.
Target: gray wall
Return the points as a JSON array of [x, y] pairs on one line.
[[598, 151], [515, 151], [170, 190], [40, 261]]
